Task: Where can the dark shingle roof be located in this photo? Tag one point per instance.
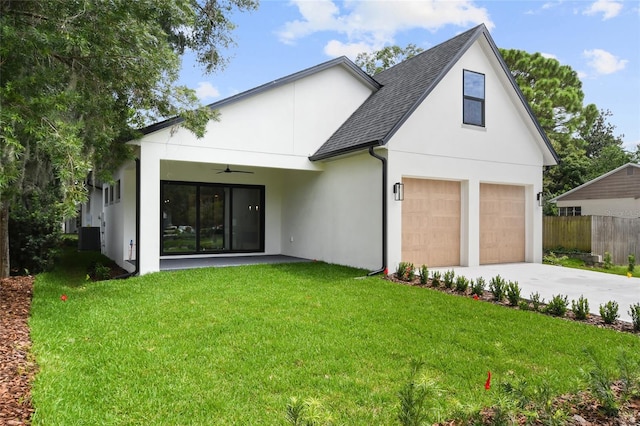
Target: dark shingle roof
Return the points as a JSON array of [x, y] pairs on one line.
[[404, 87]]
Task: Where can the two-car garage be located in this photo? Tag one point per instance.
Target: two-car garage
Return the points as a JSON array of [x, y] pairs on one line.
[[432, 213]]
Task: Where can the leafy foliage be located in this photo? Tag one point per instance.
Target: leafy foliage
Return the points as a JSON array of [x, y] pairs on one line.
[[557, 306], [436, 278], [35, 233], [634, 311], [478, 286], [536, 301], [498, 286], [580, 308], [423, 273], [513, 293], [609, 312], [380, 60], [405, 271], [462, 284], [77, 79], [448, 278]]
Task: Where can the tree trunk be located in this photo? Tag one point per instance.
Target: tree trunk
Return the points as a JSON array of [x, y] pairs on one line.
[[4, 240]]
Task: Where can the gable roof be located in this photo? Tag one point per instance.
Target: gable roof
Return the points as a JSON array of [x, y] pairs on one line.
[[341, 61], [404, 87], [617, 183]]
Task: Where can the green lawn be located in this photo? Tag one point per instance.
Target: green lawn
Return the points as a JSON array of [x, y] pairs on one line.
[[233, 345]]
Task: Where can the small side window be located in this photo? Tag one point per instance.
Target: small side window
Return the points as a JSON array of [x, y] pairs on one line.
[[117, 188], [473, 102], [106, 195]]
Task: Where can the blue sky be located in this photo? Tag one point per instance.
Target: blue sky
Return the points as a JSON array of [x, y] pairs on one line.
[[598, 39]]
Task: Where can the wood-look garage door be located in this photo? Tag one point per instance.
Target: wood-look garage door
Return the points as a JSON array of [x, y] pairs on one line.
[[502, 223], [431, 222]]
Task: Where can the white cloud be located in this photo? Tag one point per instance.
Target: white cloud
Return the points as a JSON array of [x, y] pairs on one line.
[[608, 8], [206, 91], [603, 62], [549, 56], [336, 48], [375, 23]]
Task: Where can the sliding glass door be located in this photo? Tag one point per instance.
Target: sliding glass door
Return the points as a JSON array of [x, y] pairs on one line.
[[211, 218]]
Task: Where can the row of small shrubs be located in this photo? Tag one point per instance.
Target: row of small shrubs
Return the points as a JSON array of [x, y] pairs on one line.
[[502, 289]]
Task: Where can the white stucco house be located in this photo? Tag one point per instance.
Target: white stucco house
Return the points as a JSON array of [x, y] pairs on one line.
[[616, 194], [437, 160]]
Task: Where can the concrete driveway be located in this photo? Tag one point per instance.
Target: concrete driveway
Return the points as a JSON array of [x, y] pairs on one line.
[[548, 280]]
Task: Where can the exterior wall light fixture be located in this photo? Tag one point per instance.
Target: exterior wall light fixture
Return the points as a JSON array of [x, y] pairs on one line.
[[398, 191], [540, 199]]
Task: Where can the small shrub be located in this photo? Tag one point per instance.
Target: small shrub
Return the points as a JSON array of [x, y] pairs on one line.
[[462, 284], [416, 397], [102, 272], [436, 278], [523, 305], [309, 412], [536, 301], [423, 273], [551, 259], [513, 293], [580, 308], [632, 263], [557, 306], [498, 287], [607, 263], [405, 271], [478, 286], [609, 312], [448, 278], [634, 311], [600, 386]]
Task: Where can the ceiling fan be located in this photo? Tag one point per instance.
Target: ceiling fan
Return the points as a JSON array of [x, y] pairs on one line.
[[228, 170]]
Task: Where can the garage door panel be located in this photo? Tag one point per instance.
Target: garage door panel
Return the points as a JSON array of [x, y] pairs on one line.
[[431, 222], [502, 223]]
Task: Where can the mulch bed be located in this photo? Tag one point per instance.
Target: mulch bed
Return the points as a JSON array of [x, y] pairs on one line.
[[17, 366]]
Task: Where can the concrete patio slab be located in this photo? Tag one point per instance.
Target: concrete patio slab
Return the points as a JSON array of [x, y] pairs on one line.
[[175, 263], [549, 280]]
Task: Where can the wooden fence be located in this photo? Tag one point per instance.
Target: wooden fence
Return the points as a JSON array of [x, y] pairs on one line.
[[594, 234]]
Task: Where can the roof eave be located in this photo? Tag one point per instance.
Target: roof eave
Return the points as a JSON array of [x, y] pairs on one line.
[[343, 151], [594, 180]]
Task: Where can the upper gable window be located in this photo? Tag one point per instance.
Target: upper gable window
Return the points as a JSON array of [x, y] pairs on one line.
[[473, 106]]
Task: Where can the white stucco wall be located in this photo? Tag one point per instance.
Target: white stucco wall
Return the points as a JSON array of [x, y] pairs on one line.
[[268, 133], [335, 215], [619, 207], [119, 227], [433, 143]]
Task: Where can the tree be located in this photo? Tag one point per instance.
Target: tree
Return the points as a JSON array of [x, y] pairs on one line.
[[553, 91], [386, 57], [78, 77], [603, 148]]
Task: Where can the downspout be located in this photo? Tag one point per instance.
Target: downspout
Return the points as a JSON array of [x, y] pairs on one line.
[[384, 212], [136, 270]]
